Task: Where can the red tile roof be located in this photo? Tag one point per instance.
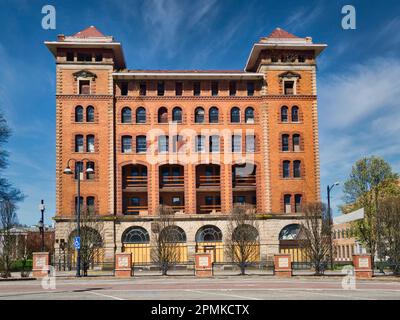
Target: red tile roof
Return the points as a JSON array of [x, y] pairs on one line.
[[280, 33], [91, 32]]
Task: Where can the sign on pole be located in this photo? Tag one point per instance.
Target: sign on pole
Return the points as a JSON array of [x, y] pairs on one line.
[[77, 243]]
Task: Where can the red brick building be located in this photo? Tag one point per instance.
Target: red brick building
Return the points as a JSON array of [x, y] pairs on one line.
[[196, 140]]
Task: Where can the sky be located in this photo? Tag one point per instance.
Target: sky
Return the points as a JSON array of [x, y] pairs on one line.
[[358, 74]]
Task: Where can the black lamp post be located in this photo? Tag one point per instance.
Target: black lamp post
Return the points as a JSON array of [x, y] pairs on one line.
[[41, 223], [328, 191], [68, 171]]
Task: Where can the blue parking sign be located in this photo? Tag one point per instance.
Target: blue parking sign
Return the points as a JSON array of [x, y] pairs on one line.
[[77, 242]]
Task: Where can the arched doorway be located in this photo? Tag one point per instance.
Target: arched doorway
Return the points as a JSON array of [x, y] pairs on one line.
[[137, 241], [209, 239], [289, 242], [245, 244], [174, 241]]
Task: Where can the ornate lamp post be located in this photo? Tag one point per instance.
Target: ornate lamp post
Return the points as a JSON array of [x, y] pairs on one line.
[[79, 171]]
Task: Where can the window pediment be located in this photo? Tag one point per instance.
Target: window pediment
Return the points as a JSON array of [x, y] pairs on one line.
[[84, 74], [290, 75]]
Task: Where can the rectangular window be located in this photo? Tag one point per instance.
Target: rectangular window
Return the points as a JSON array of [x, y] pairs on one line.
[[177, 143], [141, 144], [178, 88], [126, 144], [160, 88], [90, 143], [214, 88], [297, 203], [84, 86], [196, 88], [78, 169], [240, 199], [232, 88], [286, 169], [163, 144], [200, 144], [176, 201], [236, 143], [296, 169], [250, 143], [98, 57], [289, 87], [285, 142], [302, 59], [135, 201], [70, 56], [286, 203], [214, 143], [250, 88], [142, 89], [90, 176], [124, 88], [84, 57]]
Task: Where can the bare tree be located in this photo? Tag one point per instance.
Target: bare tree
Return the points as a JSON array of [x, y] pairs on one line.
[[242, 245], [24, 253], [91, 234], [388, 227], [8, 220], [167, 239], [316, 235]]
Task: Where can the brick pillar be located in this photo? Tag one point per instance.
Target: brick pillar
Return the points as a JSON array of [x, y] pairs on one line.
[[40, 264], [362, 266], [153, 196], [190, 189], [123, 265], [282, 265], [226, 188], [203, 264]]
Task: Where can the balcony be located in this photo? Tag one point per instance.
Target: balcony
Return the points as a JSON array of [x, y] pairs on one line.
[[135, 210], [246, 181], [210, 209], [244, 176], [171, 181], [171, 176], [208, 176], [134, 178]]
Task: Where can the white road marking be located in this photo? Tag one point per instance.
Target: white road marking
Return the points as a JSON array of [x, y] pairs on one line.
[[105, 295], [223, 294]]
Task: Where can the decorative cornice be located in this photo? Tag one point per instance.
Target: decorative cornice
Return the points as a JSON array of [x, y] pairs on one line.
[[223, 98], [84, 97], [84, 74], [290, 74]]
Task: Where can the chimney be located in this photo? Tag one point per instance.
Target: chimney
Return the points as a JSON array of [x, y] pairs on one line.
[[61, 37]]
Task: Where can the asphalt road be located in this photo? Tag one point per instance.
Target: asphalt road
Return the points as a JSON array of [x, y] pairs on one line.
[[221, 288]]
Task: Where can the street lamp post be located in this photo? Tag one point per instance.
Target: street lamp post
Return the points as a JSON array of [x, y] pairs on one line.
[[68, 171], [328, 191], [41, 223]]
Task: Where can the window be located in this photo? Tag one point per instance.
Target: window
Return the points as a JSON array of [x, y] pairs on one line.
[[295, 114], [140, 115], [274, 59], [162, 115], [284, 114], [236, 143], [141, 144], [209, 233], [296, 142], [135, 201], [70, 56], [79, 114], [90, 176], [214, 143], [296, 169], [196, 88], [232, 88], [239, 199], [90, 114], [214, 88], [177, 143], [200, 144], [178, 88], [286, 203], [286, 169], [213, 115], [90, 143], [98, 57], [249, 115], [84, 86], [163, 144], [90, 205], [126, 144], [301, 58], [297, 203], [136, 235], [250, 88], [285, 142], [235, 115], [177, 115], [176, 201], [142, 88], [124, 88], [79, 143], [160, 88], [250, 143], [78, 169], [199, 115], [84, 57], [80, 204], [126, 115], [288, 87]]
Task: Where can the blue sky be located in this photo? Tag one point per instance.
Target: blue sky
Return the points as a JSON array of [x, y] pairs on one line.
[[358, 75]]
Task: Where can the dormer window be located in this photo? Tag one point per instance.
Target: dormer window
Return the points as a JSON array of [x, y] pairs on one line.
[[84, 86]]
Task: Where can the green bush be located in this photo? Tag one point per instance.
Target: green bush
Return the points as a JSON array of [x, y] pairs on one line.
[[18, 265]]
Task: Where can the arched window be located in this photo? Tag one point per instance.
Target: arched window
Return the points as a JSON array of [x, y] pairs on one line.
[[209, 234], [296, 142], [126, 115], [162, 115], [245, 233], [286, 169], [173, 234], [126, 144], [79, 143], [295, 114], [284, 114], [290, 232], [235, 115], [249, 115], [285, 142], [177, 115], [213, 115], [90, 114], [136, 235], [296, 169], [199, 115], [79, 114], [140, 115], [90, 143]]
